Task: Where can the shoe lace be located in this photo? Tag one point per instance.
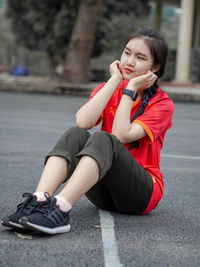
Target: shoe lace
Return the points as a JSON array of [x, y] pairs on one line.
[[29, 204], [46, 207]]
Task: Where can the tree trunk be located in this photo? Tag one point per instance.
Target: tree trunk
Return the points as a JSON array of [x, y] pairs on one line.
[[52, 65], [82, 41]]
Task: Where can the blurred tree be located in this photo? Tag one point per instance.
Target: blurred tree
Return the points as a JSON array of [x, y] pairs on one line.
[[82, 41], [75, 28], [84, 34], [43, 25]]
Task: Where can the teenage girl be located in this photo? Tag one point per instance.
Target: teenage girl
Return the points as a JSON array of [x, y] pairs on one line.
[[116, 168]]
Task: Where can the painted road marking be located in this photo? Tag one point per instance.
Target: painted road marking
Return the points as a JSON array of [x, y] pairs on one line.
[[181, 157], [111, 256]]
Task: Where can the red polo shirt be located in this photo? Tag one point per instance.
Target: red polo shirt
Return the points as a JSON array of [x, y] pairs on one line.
[[156, 120]]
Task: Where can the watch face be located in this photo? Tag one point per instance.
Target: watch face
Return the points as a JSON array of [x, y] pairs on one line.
[[134, 94]]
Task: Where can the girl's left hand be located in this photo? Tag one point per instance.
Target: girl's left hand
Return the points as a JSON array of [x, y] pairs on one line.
[[142, 82]]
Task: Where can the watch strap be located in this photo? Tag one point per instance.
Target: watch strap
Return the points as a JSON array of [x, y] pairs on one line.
[[132, 94]]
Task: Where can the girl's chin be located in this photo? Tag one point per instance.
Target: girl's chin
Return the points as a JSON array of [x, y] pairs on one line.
[[128, 77]]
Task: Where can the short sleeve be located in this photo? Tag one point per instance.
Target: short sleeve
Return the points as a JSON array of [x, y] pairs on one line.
[[157, 119], [96, 90]]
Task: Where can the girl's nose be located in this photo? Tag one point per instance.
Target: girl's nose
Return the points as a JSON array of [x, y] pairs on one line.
[[131, 62]]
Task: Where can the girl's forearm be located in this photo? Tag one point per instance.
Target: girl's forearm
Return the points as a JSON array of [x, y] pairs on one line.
[[87, 115], [123, 129], [121, 124]]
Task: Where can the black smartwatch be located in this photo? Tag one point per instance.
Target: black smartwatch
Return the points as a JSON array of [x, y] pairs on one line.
[[131, 93]]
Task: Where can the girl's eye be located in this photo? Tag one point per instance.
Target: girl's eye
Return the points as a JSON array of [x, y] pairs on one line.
[[127, 53], [141, 58]]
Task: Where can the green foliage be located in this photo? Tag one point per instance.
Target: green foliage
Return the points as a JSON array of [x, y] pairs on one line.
[[118, 19], [43, 25], [6, 35], [117, 7], [117, 31], [2, 3]]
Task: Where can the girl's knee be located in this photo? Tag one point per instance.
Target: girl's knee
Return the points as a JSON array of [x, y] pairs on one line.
[[105, 137], [72, 137], [101, 135], [76, 130]]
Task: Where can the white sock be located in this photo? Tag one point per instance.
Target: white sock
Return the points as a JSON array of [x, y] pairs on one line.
[[63, 204], [40, 196]]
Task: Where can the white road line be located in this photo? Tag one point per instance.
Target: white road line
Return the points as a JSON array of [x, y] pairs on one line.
[[111, 256], [181, 157]]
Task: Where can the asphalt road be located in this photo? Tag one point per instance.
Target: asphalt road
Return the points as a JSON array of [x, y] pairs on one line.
[[169, 236]]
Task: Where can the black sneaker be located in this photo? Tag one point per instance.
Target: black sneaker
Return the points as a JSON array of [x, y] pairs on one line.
[[47, 218], [23, 209]]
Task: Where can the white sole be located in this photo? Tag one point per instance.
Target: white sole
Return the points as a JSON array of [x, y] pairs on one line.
[[12, 225], [57, 230]]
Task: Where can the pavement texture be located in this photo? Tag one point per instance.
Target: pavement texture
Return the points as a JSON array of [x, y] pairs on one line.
[[30, 124]]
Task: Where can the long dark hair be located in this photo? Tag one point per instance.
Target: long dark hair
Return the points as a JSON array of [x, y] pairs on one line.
[[159, 51]]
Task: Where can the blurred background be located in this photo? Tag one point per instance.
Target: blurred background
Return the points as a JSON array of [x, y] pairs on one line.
[[76, 41]]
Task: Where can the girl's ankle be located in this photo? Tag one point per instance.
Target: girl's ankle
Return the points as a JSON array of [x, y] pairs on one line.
[[63, 204], [41, 196]]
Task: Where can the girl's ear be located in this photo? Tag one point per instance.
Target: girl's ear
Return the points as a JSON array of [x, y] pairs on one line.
[[155, 68]]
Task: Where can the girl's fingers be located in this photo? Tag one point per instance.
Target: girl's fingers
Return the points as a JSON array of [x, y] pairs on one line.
[[115, 63], [115, 69], [152, 78], [151, 75], [148, 80]]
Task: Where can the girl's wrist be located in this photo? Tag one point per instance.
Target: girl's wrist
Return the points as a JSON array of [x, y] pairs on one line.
[[116, 78], [132, 86]]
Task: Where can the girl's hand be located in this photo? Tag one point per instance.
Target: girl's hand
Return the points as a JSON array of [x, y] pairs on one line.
[[115, 70], [142, 82]]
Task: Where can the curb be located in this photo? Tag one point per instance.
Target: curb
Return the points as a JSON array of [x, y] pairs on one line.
[[46, 85], [182, 94]]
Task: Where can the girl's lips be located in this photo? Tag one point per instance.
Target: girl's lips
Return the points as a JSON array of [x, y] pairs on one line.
[[128, 71]]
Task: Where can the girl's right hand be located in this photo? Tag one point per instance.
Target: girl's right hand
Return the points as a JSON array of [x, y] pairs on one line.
[[115, 70], [142, 82]]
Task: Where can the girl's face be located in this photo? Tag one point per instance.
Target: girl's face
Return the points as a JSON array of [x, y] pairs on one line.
[[136, 59]]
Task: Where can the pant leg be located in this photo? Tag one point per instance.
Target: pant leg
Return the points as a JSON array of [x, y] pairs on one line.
[[68, 145], [103, 147], [126, 187], [100, 196], [129, 185]]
